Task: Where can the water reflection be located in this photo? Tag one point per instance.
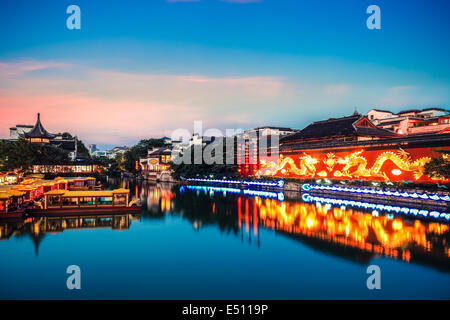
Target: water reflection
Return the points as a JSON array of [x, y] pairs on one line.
[[38, 227], [345, 232], [339, 226]]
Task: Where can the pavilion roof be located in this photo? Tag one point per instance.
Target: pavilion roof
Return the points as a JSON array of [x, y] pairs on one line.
[[39, 131]]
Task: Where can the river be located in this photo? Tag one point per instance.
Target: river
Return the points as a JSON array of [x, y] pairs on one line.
[[212, 243]]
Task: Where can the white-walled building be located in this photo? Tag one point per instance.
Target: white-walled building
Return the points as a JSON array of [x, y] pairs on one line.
[[410, 122]]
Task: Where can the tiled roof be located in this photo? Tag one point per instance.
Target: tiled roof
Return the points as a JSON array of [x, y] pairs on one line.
[[68, 145], [161, 151], [335, 128], [38, 131]]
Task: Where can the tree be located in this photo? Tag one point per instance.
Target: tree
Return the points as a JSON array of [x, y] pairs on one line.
[[439, 168], [120, 161], [140, 151], [192, 170], [21, 155]]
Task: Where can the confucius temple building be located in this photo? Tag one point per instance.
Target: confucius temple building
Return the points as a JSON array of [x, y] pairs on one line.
[[354, 148]]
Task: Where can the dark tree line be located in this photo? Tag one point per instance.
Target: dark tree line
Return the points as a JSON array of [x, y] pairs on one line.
[[196, 167], [21, 155]]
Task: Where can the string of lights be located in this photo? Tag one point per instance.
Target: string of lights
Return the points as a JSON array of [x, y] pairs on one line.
[[424, 196], [258, 193], [377, 207], [277, 184]]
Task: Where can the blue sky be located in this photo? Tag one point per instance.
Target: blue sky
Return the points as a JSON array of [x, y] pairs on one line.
[[231, 64]]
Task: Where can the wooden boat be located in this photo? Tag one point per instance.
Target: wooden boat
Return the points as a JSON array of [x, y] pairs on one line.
[[87, 202], [11, 204]]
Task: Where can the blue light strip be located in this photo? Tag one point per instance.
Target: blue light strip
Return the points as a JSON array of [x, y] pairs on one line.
[[423, 196], [374, 206], [264, 194], [218, 189], [248, 192], [278, 184]]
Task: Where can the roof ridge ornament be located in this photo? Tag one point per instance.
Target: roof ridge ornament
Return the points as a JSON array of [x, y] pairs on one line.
[[39, 131]]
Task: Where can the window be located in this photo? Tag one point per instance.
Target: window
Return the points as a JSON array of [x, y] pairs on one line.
[[120, 199], [105, 200], [88, 201], [70, 202], [53, 201]]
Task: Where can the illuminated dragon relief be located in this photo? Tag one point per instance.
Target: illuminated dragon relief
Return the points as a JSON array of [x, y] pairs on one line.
[[307, 165], [401, 159]]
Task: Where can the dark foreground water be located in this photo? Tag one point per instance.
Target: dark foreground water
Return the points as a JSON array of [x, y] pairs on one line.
[[209, 244]]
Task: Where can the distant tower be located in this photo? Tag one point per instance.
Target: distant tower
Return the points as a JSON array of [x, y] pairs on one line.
[[356, 113]]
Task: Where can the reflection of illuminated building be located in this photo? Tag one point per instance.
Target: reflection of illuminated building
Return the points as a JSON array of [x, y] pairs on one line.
[[38, 228], [393, 237], [7, 228], [158, 198], [353, 148], [59, 224], [338, 226]]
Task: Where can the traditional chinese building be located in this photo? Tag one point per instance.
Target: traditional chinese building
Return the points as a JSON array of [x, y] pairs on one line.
[[38, 134], [354, 148], [81, 166], [156, 164]]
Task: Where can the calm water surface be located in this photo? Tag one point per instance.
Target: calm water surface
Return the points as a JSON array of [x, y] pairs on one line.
[[209, 244]]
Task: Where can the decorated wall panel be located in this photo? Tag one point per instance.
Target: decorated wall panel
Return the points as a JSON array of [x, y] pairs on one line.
[[388, 165]]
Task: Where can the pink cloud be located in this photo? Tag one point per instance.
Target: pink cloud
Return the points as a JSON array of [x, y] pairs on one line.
[[104, 106], [90, 118], [17, 68]]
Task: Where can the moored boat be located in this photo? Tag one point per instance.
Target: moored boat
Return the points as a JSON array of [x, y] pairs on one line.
[[85, 202]]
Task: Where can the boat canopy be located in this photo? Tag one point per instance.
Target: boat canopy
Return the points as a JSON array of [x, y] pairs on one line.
[[89, 193]]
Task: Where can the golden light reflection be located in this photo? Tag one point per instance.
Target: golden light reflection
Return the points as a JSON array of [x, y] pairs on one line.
[[348, 227], [160, 197]]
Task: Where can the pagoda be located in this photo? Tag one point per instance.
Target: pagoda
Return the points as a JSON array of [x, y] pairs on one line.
[[38, 134]]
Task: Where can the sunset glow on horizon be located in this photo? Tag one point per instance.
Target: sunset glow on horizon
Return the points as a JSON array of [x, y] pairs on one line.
[[158, 70]]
